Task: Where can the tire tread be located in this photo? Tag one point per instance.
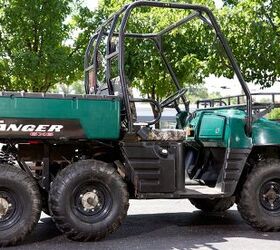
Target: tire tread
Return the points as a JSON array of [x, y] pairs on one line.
[[244, 204], [57, 186], [16, 174], [215, 205]]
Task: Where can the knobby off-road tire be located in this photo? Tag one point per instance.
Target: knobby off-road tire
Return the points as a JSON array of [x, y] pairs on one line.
[[259, 202], [20, 205], [88, 200], [213, 205]]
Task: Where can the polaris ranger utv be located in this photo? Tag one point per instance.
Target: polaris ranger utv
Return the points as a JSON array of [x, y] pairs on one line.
[[79, 158]]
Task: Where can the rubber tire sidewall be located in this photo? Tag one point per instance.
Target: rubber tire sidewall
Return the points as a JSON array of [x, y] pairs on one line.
[[62, 189], [28, 195], [249, 204]]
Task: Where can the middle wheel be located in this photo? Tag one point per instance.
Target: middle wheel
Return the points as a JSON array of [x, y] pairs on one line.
[[88, 200], [214, 205]]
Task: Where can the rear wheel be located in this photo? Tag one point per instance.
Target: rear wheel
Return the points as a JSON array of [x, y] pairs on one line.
[[213, 205], [88, 200], [259, 202], [20, 205]]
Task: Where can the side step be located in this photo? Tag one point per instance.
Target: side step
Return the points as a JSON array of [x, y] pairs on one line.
[[191, 191], [200, 191]]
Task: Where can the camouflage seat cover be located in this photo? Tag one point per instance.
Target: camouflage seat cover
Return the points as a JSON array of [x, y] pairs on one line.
[[149, 134]]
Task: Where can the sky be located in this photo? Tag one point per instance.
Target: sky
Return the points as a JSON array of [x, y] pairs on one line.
[[91, 4]]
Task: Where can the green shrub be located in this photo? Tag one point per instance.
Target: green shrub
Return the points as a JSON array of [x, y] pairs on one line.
[[274, 114]]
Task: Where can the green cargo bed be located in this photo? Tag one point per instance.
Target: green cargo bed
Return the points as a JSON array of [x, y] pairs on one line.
[[56, 116]]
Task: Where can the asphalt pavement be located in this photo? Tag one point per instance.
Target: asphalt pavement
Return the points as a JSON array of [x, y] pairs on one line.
[[163, 224]]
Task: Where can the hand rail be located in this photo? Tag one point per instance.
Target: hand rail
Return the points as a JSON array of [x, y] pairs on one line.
[[228, 100]]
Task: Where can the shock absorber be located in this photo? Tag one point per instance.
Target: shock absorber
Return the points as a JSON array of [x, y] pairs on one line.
[[7, 154]]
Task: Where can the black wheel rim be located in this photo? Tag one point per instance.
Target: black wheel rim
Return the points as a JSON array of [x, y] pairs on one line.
[[10, 209], [91, 201], [270, 196]]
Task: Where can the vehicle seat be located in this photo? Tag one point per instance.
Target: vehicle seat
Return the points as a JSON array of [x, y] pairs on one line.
[[146, 133], [149, 134]]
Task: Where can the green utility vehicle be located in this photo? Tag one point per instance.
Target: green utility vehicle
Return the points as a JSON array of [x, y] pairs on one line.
[[79, 158]]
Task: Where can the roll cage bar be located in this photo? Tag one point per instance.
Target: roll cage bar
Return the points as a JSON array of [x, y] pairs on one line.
[[90, 62]]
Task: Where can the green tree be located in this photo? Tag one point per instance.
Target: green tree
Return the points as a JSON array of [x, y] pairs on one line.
[[42, 43], [36, 51], [75, 88], [251, 26], [253, 30], [274, 114], [187, 48], [200, 92]]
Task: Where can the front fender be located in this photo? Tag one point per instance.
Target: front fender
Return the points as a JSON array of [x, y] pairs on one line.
[[266, 132]]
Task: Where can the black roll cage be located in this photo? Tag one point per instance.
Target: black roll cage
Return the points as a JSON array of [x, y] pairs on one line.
[[201, 12]]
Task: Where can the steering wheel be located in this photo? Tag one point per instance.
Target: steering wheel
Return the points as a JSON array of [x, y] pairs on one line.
[[172, 98]]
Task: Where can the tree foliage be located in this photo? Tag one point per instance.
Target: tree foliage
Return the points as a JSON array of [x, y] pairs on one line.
[[274, 114], [251, 27], [253, 30], [35, 47], [186, 48], [42, 44]]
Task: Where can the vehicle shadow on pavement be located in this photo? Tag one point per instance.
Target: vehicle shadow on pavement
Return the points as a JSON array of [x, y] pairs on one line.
[[45, 230], [157, 231], [189, 230]]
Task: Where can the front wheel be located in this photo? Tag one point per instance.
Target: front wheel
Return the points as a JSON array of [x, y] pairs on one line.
[[88, 200], [259, 202]]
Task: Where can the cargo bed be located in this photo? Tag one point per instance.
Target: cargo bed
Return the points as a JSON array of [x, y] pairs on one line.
[[58, 116]]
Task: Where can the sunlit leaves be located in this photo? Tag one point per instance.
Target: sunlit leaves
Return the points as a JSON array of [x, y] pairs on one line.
[[42, 43], [33, 38], [252, 27]]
